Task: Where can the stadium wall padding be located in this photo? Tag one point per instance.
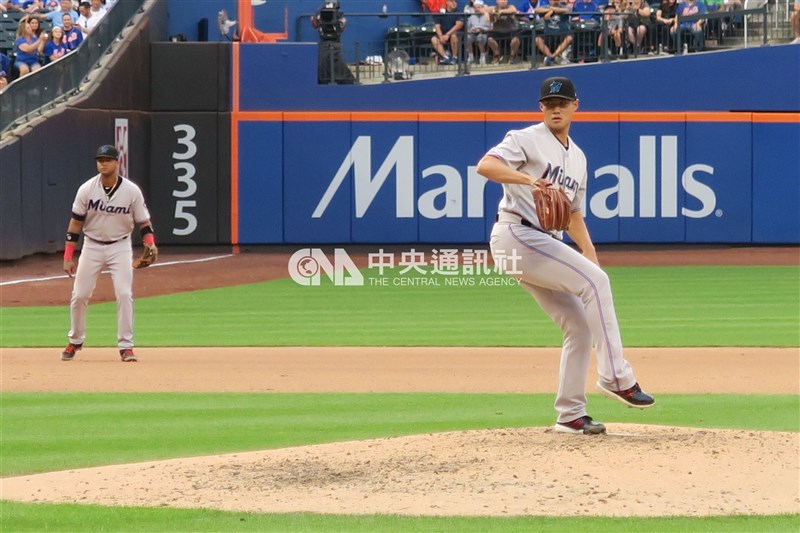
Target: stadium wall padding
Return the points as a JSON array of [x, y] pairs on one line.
[[659, 178], [43, 167]]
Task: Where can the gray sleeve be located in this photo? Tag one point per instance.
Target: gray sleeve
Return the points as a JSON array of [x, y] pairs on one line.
[[140, 212], [510, 151], [577, 201]]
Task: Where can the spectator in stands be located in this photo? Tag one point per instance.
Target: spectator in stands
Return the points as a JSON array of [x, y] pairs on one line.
[[55, 48], [433, 6], [84, 13], [690, 28], [730, 5], [447, 27], [505, 31], [73, 36], [795, 19], [478, 28], [586, 22], [556, 40], [5, 70], [56, 17], [36, 26], [27, 48], [637, 18], [527, 9], [715, 27], [24, 6], [586, 10], [96, 12], [613, 21], [666, 20]]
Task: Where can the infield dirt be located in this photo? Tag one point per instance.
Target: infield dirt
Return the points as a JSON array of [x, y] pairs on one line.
[[636, 469]]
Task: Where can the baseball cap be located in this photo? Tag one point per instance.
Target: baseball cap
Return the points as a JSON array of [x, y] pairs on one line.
[[558, 88], [478, 2], [107, 151]]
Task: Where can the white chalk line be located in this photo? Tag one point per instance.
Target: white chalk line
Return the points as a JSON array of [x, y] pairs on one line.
[[63, 276]]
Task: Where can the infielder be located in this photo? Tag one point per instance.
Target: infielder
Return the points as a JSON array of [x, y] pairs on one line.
[[106, 208], [569, 285]]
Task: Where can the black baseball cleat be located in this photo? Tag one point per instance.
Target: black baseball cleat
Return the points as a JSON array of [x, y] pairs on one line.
[[69, 352], [581, 426], [633, 397]]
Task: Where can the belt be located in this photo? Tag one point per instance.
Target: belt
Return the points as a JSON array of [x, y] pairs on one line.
[[105, 242], [516, 219]]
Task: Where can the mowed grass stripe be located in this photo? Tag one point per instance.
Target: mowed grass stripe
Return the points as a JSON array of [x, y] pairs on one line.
[[657, 306], [56, 431], [37, 518]]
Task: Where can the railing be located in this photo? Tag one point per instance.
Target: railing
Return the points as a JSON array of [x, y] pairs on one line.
[[762, 11], [411, 32], [30, 96]]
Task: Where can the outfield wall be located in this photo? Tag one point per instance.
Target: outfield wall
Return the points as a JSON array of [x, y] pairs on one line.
[[395, 162], [241, 145], [388, 178]]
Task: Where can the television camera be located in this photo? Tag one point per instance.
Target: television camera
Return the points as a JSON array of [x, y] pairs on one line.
[[329, 21]]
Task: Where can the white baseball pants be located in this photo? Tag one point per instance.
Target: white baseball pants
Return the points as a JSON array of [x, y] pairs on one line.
[[576, 294], [94, 257]]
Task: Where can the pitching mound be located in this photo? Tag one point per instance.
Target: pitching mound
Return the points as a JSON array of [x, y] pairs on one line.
[[633, 470]]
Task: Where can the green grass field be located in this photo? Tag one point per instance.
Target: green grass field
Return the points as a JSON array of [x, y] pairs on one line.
[[657, 306], [45, 432]]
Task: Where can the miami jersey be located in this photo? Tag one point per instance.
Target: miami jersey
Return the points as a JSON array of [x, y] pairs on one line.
[[109, 216], [536, 152]]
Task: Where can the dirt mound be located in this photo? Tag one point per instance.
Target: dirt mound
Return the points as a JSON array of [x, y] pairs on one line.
[[634, 470]]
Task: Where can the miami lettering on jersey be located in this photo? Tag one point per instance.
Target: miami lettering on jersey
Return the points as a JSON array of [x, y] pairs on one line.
[[555, 175], [98, 205]]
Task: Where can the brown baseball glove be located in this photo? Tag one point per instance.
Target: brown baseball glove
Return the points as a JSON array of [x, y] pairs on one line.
[[553, 206], [149, 256]]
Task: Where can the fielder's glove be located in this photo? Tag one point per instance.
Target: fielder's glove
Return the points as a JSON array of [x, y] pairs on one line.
[[149, 256], [553, 206]]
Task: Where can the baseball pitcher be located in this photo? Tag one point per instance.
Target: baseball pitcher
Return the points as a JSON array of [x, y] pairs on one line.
[[543, 174]]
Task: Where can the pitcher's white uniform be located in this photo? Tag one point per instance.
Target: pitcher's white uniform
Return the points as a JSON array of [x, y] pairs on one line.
[[108, 220], [570, 288]]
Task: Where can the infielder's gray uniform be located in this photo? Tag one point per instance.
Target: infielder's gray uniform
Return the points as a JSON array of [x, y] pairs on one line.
[[108, 220], [574, 291]]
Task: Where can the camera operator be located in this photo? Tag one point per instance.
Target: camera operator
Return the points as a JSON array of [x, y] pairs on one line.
[[329, 21]]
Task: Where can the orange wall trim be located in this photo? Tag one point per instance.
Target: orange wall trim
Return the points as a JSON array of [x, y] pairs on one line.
[[316, 116], [789, 118], [719, 117], [466, 116], [235, 146], [498, 116], [385, 116]]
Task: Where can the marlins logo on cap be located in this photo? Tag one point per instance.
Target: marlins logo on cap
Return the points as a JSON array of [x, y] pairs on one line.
[[107, 152], [558, 88]]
